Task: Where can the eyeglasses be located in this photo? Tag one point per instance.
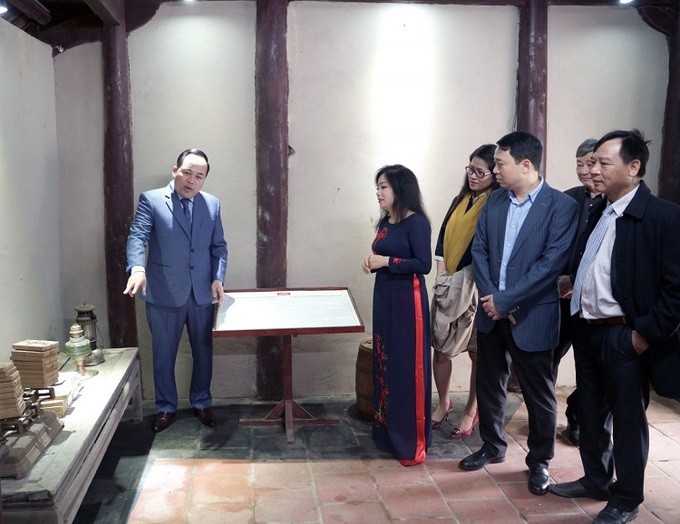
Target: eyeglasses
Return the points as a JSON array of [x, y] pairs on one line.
[[479, 173]]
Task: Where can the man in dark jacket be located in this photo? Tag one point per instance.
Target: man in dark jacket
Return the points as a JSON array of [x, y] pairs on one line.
[[626, 299], [588, 199]]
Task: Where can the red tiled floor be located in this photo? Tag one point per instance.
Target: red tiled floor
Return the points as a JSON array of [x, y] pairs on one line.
[[466, 485], [372, 512], [670, 468], [667, 515], [392, 473], [222, 467], [414, 501], [160, 506], [577, 518], [567, 473], [338, 466], [286, 505], [662, 447], [218, 514], [662, 493], [288, 475], [164, 497], [491, 512], [168, 475], [670, 429], [345, 488], [233, 491], [355, 490], [647, 517]]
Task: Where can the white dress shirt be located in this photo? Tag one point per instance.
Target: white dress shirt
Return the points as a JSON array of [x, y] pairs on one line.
[[597, 300], [517, 214]]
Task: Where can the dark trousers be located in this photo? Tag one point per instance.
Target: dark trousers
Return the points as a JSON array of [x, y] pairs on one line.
[[534, 372], [613, 395], [562, 348], [167, 325]]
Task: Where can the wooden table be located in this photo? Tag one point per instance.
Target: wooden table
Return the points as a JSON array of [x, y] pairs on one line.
[[287, 312], [54, 488]]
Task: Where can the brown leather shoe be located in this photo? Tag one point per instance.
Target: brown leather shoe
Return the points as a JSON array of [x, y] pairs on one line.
[[162, 421], [205, 415]]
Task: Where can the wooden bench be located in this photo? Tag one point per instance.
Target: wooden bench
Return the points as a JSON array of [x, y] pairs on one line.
[[54, 488]]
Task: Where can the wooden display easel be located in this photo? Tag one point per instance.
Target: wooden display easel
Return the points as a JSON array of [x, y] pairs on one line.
[[287, 312]]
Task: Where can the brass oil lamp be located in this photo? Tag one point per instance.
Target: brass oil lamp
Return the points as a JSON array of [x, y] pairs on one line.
[[88, 321], [78, 348]]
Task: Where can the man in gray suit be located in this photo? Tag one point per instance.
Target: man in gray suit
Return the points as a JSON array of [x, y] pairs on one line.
[[524, 236], [181, 281]]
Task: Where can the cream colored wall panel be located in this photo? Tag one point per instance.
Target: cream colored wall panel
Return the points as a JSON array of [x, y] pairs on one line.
[[374, 84], [30, 277], [607, 70], [80, 125], [192, 73]]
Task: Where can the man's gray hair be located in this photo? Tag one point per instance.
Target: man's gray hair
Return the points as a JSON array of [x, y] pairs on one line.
[[587, 146]]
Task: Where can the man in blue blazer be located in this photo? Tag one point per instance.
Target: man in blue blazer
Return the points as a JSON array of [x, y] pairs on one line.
[[626, 326], [181, 280], [524, 236]]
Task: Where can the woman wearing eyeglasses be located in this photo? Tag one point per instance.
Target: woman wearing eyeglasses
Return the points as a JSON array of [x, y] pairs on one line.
[[454, 300]]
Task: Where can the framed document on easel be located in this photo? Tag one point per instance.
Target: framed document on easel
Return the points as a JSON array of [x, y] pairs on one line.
[[287, 312]]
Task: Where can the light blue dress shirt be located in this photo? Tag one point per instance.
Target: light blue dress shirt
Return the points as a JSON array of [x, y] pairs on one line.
[[517, 213]]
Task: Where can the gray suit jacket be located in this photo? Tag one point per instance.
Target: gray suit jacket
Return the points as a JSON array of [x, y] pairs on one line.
[[181, 258], [539, 255]]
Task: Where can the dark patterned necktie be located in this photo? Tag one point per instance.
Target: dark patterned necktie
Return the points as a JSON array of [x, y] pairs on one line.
[[592, 247], [186, 203]]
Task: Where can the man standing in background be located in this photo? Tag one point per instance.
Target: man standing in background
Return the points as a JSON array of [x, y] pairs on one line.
[[181, 281], [588, 199]]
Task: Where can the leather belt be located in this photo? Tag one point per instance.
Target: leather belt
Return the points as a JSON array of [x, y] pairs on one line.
[[609, 321]]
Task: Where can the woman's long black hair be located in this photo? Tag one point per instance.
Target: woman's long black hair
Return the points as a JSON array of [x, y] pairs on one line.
[[406, 191], [486, 153]]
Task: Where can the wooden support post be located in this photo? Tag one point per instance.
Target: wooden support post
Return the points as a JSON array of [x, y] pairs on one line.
[[118, 183], [271, 113], [532, 71], [669, 172]]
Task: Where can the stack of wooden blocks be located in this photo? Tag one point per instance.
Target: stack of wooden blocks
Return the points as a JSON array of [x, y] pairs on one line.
[[12, 404], [36, 361]]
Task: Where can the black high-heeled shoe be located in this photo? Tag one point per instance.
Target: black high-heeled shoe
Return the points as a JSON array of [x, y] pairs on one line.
[[437, 423]]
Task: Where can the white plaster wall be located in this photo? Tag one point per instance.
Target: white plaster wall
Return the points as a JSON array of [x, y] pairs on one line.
[[30, 280], [80, 130], [192, 73], [375, 84], [606, 70], [369, 85]]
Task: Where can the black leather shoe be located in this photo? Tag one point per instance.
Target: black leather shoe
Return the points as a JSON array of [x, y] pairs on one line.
[[539, 480], [162, 421], [479, 459], [577, 489], [612, 515], [206, 416], [573, 433]]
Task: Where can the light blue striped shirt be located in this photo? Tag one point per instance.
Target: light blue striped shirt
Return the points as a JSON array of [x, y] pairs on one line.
[[517, 213]]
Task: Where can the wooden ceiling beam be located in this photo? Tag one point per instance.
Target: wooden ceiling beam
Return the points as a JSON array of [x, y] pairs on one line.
[[518, 3], [111, 12], [34, 10]]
